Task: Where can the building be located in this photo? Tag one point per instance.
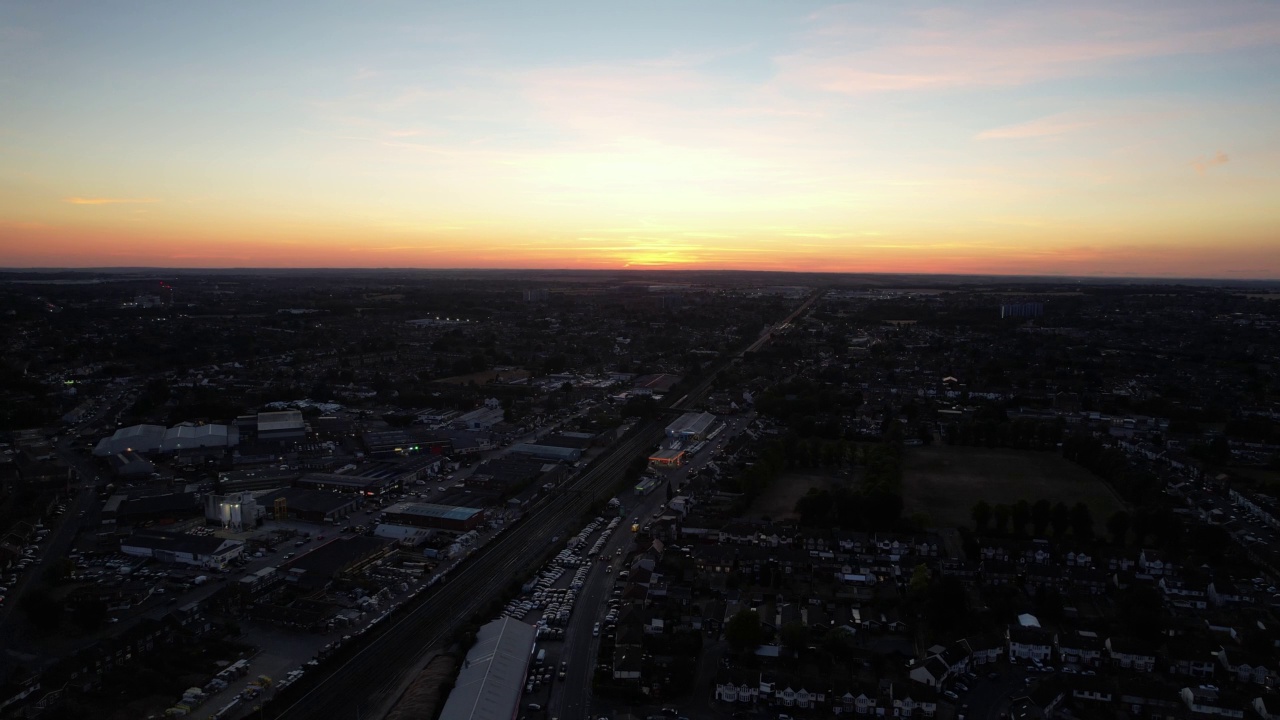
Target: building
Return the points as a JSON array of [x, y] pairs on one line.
[[318, 568], [429, 515], [667, 458], [135, 438], [691, 426], [368, 486], [311, 505], [547, 452], [658, 384], [493, 674], [234, 481], [169, 506], [281, 426], [180, 438], [480, 419], [199, 550], [130, 464], [236, 511]]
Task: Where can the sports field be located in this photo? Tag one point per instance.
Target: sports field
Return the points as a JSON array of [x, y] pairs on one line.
[[945, 482]]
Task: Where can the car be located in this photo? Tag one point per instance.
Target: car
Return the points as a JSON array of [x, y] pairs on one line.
[[534, 707], [595, 631], [669, 712], [993, 676], [961, 687], [951, 694]]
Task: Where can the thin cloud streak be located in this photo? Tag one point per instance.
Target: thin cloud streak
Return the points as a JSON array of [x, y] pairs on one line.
[[108, 201]]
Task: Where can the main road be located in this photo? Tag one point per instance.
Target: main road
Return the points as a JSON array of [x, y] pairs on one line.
[[370, 680]]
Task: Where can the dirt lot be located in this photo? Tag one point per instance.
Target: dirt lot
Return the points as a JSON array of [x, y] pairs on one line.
[[945, 482], [779, 501]]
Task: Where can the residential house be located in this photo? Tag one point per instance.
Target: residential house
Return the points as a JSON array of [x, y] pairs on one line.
[[1246, 667], [1029, 643], [1082, 647], [1205, 700], [1130, 653]]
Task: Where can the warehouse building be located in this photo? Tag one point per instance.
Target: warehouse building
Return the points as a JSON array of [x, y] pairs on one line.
[[547, 452], [281, 426], [199, 550], [667, 458], [311, 505], [135, 438], [368, 486], [429, 515], [320, 567], [194, 437], [691, 426], [492, 676]]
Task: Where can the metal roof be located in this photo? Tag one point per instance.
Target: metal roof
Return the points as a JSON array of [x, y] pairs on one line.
[[691, 424], [448, 512], [492, 676]]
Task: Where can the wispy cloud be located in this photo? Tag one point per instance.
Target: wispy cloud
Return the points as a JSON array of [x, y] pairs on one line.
[[108, 201], [1039, 128], [955, 49], [1202, 165]]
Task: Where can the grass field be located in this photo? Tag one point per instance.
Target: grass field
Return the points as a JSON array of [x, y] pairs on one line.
[[779, 499], [945, 482]]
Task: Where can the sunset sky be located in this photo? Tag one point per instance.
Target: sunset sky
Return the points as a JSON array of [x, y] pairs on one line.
[[1078, 138]]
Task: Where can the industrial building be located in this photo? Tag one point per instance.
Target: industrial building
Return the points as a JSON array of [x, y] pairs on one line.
[[193, 437], [130, 464], [547, 452], [280, 426], [492, 676], [691, 426], [200, 550], [429, 515], [236, 511], [369, 486], [658, 384], [169, 506], [318, 568], [310, 505], [233, 481], [135, 438]]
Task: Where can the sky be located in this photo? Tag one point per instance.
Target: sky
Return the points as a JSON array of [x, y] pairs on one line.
[[1058, 138]]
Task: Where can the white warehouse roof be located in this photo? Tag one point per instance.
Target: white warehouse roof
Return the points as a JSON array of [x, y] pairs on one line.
[[187, 437], [492, 676], [138, 438], [691, 424]]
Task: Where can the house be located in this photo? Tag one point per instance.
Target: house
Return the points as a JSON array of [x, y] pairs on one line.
[[737, 685], [1191, 656], [1244, 666], [1028, 643], [933, 672], [1082, 647], [1225, 592], [1208, 700], [1130, 653], [1155, 563], [986, 649], [915, 703]]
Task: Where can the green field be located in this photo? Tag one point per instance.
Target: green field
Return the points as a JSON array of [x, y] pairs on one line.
[[945, 482]]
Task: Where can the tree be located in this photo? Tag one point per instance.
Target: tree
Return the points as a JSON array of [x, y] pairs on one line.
[[743, 632], [1020, 515], [947, 605], [794, 637], [1041, 513], [1081, 521], [981, 514], [1118, 526], [919, 580], [1060, 519], [1001, 513], [90, 615], [42, 610]]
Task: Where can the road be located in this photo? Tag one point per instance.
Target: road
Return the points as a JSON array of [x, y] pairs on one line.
[[572, 698]]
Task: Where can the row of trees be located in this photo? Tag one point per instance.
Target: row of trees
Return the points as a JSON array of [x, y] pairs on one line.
[[1041, 516]]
